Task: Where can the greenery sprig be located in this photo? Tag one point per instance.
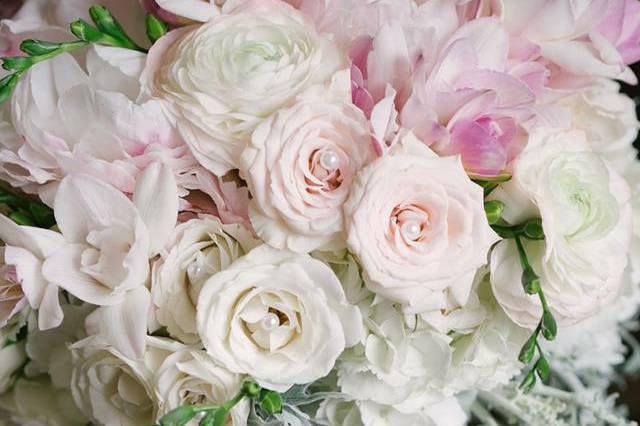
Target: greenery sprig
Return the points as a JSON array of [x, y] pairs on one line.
[[489, 183], [106, 31], [215, 415]]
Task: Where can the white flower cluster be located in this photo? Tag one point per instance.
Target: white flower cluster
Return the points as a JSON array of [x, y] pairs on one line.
[[338, 212]]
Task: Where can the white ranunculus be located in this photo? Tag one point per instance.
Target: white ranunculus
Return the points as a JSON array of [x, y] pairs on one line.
[[225, 77], [278, 316], [200, 248], [190, 376], [609, 121], [11, 359], [114, 390], [36, 402], [586, 216]]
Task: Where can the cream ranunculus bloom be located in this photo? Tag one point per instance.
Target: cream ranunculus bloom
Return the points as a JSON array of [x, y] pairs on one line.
[[417, 225], [114, 390], [586, 216], [222, 79], [190, 376], [300, 165], [277, 316], [200, 248]]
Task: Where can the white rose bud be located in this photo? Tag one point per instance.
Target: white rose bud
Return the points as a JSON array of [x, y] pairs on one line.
[[201, 247]]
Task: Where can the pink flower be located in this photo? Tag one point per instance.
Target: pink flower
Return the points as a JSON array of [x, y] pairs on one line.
[[465, 102], [12, 299], [621, 26], [417, 225]]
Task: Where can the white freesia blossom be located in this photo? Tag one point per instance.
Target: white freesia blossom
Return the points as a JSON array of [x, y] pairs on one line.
[[609, 121], [23, 256], [222, 79], [278, 316], [586, 216], [199, 248], [36, 402], [105, 260], [114, 390], [190, 376]]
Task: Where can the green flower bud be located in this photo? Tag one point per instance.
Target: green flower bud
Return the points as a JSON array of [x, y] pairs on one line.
[[7, 84], [528, 382], [528, 350], [251, 388], [156, 28], [38, 47], [530, 280], [494, 210], [85, 31], [533, 229], [17, 63], [543, 369], [549, 326]]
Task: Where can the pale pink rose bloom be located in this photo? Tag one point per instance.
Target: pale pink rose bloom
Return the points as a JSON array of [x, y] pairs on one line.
[[300, 165], [416, 223], [465, 101]]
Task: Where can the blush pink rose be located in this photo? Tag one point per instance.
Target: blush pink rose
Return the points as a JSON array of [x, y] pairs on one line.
[[417, 224], [299, 166]]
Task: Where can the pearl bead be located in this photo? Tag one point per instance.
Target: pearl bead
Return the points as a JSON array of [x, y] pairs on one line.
[[329, 160], [411, 230], [270, 322]]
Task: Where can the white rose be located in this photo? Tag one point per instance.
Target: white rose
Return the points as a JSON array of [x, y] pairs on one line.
[[586, 216], [417, 225], [222, 79], [609, 121], [36, 402], [11, 359], [114, 390], [190, 376], [300, 165], [278, 316], [200, 248]]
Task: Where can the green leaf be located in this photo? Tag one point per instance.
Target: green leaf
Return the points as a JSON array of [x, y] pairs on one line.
[[17, 63], [156, 28], [543, 369], [549, 326], [533, 230], [528, 382], [179, 417], [494, 210], [86, 32], [42, 214], [214, 418], [528, 350], [21, 218], [270, 401], [38, 47]]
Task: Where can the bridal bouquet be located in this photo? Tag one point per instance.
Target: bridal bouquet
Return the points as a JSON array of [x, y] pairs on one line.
[[318, 212]]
